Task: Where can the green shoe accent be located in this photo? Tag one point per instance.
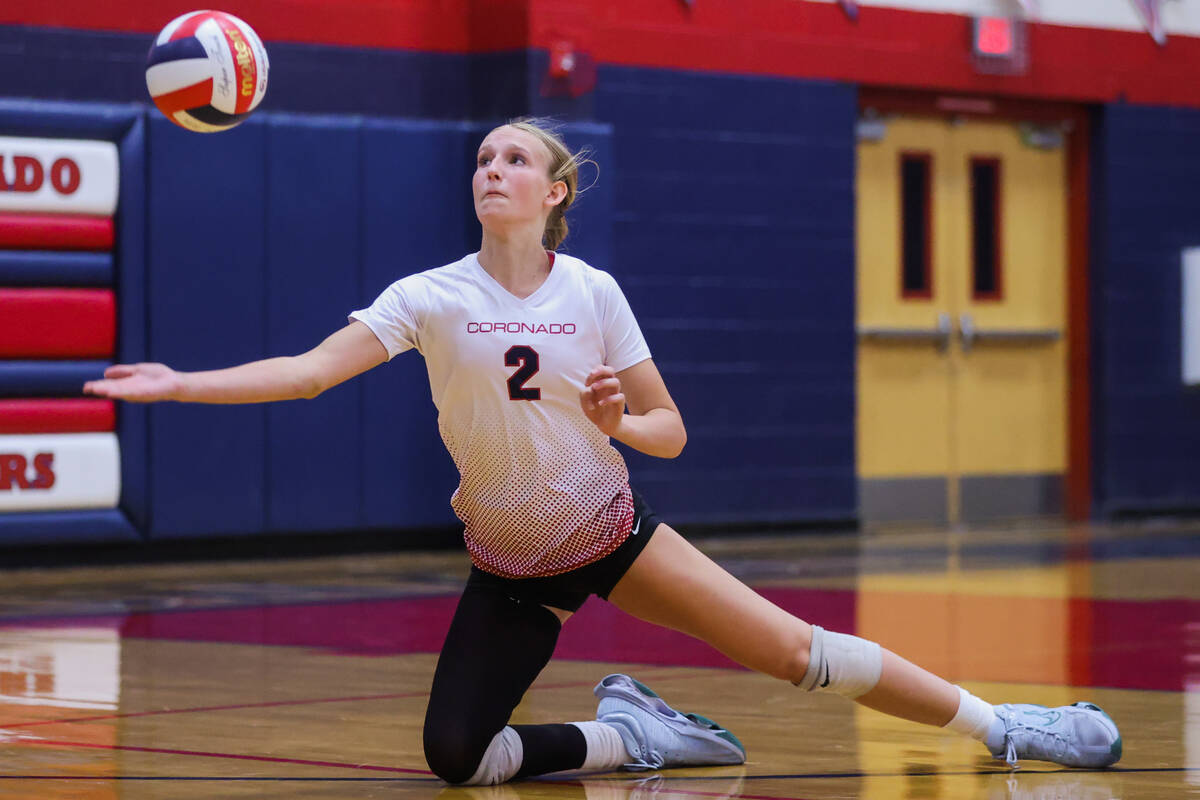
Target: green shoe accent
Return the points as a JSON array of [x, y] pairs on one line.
[[705, 721], [1116, 749], [718, 730]]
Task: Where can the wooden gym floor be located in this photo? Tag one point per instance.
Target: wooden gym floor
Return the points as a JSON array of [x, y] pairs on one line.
[[308, 678]]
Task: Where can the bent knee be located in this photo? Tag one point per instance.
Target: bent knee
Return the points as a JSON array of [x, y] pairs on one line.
[[458, 757], [453, 754]]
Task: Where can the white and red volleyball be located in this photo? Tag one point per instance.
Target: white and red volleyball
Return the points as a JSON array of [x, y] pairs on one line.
[[207, 71]]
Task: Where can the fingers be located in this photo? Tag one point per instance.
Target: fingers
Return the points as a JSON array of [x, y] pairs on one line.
[[121, 370], [603, 392], [588, 400], [602, 399], [103, 388], [599, 373], [106, 386], [612, 400]]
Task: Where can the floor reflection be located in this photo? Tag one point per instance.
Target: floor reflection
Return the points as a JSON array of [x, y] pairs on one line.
[[309, 679], [721, 783], [61, 667]]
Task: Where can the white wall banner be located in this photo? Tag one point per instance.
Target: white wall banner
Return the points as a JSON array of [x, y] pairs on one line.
[[65, 176], [41, 472], [1191, 316]]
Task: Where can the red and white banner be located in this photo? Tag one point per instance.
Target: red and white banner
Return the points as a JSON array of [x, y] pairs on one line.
[[59, 471], [68, 176]]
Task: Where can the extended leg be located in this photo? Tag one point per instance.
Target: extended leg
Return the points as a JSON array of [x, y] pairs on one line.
[[675, 585]]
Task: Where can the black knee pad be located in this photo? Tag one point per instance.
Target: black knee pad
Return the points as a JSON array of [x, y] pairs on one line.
[[452, 750], [494, 650]]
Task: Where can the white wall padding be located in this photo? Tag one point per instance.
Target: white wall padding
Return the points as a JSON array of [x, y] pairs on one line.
[[1191, 316], [42, 472], [61, 176]]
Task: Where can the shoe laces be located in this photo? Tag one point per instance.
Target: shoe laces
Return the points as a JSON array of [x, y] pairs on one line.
[[1010, 753], [642, 764], [1036, 742]]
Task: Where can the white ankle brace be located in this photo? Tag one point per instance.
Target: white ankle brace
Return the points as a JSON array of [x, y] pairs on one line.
[[974, 717], [842, 664], [605, 749], [500, 761]]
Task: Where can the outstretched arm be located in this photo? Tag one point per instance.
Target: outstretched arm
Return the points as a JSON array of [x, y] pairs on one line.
[[653, 424], [344, 354]]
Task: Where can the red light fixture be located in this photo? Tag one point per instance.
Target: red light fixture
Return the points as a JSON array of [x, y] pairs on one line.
[[993, 36], [998, 45]]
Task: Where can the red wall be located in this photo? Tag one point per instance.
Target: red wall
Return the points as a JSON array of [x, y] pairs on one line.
[[885, 47]]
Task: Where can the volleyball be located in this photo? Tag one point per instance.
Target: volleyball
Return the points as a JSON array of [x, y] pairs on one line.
[[207, 71]]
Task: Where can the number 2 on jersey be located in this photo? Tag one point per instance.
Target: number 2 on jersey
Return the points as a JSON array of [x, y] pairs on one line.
[[526, 358]]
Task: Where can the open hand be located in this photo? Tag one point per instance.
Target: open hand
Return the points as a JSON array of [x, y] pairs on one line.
[[138, 383], [602, 400]]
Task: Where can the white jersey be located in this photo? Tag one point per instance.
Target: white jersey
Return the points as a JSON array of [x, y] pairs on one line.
[[542, 489]]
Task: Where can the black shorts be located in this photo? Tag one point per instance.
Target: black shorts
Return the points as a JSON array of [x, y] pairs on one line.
[[568, 590]]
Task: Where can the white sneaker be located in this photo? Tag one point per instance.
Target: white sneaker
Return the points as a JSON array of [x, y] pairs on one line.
[[656, 735], [1078, 735]]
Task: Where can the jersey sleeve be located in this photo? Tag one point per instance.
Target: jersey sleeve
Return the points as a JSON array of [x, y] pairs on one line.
[[395, 316], [624, 344]]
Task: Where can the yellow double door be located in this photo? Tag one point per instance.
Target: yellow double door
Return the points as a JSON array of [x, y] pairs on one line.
[[961, 372]]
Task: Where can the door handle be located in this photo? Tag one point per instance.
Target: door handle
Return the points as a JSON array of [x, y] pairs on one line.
[[970, 335], [940, 334]]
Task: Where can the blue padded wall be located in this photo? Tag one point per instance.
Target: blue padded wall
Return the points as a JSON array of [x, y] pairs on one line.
[[48, 268], [69, 120], [47, 378], [314, 253], [133, 418], [86, 526], [416, 210], [1146, 425], [733, 237], [590, 220], [206, 253]]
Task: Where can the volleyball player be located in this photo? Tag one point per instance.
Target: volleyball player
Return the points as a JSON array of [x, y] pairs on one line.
[[535, 361]]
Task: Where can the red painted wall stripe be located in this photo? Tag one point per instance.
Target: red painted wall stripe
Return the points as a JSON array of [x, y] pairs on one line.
[[57, 323], [456, 26], [885, 47], [70, 415], [55, 232]]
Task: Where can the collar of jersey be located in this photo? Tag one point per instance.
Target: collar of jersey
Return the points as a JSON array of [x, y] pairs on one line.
[[555, 269]]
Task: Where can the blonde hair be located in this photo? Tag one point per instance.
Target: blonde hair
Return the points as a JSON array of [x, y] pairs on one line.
[[564, 166]]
